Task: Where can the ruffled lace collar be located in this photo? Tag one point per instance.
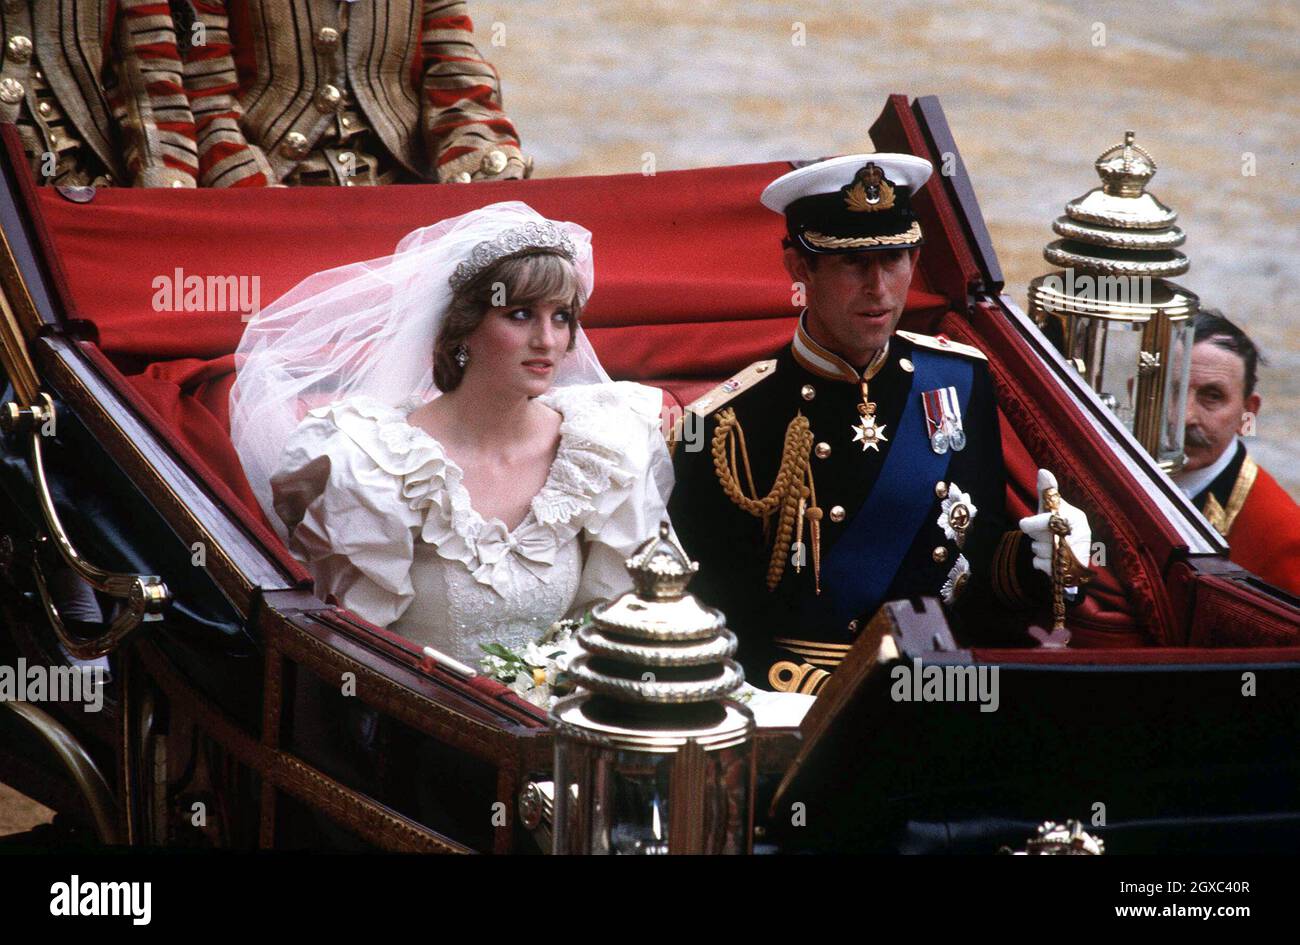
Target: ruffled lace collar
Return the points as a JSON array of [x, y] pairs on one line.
[[589, 462]]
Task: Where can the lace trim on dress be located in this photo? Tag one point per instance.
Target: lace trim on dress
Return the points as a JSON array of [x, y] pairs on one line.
[[590, 465]]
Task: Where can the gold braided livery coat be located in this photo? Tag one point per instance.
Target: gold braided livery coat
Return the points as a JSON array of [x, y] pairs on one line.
[[52, 83], [410, 67]]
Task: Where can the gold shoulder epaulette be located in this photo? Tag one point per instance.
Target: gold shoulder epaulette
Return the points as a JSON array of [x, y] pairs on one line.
[[942, 344], [729, 389]]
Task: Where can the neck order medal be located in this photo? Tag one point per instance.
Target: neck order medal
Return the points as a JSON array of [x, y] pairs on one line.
[[867, 431]]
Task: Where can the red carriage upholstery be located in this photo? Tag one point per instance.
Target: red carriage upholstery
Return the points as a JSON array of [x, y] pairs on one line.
[[689, 288]]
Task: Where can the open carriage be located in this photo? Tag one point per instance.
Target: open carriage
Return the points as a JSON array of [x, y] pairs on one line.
[[223, 716]]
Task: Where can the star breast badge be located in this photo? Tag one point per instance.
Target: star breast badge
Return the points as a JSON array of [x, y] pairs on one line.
[[956, 514]]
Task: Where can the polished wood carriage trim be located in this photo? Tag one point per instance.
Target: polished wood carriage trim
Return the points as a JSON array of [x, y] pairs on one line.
[[16, 355], [272, 709], [20, 316], [956, 182], [369, 819], [433, 716], [407, 695]]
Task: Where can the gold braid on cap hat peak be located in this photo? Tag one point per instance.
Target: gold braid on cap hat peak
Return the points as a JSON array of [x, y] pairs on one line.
[[822, 241], [793, 494]]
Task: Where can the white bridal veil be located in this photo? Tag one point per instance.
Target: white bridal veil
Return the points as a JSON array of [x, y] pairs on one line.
[[369, 328]]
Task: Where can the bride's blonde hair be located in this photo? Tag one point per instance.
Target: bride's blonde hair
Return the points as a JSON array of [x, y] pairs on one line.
[[533, 276]]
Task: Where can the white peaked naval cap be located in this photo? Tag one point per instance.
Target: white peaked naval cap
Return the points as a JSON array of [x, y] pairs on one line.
[[851, 204]]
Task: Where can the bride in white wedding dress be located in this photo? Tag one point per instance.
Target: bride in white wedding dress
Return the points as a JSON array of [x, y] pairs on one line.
[[432, 434]]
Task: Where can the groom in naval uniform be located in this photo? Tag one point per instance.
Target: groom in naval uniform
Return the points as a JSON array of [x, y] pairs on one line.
[[860, 464]]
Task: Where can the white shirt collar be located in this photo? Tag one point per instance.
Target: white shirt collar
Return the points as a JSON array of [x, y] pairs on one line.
[[1198, 480]]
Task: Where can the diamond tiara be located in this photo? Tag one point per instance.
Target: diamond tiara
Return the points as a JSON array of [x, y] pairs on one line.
[[533, 235]]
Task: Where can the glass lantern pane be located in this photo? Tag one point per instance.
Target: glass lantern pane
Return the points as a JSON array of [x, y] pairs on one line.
[[611, 801], [639, 803], [1111, 351], [1175, 393]]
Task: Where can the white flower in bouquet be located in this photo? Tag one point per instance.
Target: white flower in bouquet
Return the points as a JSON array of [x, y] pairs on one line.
[[539, 671]]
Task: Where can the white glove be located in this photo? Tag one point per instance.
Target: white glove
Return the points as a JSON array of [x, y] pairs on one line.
[[1035, 526]]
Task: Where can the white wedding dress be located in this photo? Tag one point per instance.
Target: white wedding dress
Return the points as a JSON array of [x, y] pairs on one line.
[[377, 511]]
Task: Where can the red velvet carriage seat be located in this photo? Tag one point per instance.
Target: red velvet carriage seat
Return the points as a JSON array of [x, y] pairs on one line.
[[689, 288]]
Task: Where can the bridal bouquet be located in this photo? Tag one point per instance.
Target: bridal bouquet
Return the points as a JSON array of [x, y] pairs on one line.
[[539, 673]]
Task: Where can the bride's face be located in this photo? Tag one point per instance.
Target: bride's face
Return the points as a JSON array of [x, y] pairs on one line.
[[520, 347]]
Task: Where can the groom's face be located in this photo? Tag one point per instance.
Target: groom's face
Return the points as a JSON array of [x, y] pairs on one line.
[[854, 299]]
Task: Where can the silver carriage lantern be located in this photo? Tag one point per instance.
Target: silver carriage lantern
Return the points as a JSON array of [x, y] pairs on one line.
[[649, 756], [1110, 309]]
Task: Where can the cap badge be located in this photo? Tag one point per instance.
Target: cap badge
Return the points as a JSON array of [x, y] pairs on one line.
[[869, 191]]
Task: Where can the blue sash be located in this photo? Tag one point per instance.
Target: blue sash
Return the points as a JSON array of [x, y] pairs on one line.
[[863, 563]]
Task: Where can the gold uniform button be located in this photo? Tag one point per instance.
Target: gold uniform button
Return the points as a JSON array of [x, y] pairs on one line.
[[837, 513], [940, 554], [327, 38], [11, 91], [462, 178], [822, 450], [761, 369], [345, 122], [294, 145], [20, 48], [45, 108], [941, 490], [808, 392], [328, 98], [495, 162], [906, 365]]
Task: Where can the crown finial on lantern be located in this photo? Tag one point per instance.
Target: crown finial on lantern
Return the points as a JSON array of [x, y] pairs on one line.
[[1125, 169], [660, 568]]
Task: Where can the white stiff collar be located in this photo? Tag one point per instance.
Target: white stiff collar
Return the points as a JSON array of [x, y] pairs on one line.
[[1198, 480]]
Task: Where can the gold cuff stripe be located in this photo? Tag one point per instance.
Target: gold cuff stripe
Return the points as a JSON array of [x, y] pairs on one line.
[[810, 651], [822, 241], [814, 644], [817, 659], [1006, 584]]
